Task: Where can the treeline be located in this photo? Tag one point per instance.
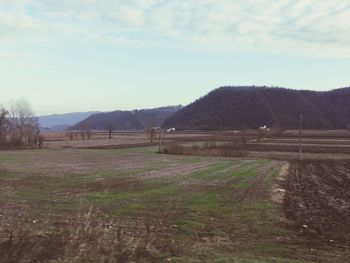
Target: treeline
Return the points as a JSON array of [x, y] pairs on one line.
[[18, 126], [252, 107], [126, 120]]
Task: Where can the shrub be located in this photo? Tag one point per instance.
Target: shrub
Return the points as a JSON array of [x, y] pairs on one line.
[[233, 150], [227, 152], [195, 147], [209, 145], [70, 135], [174, 149]]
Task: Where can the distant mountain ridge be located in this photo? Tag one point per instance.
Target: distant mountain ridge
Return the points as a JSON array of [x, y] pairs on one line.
[[250, 107], [126, 120], [59, 122]]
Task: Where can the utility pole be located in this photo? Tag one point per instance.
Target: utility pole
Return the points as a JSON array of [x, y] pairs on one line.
[[300, 133], [160, 134]]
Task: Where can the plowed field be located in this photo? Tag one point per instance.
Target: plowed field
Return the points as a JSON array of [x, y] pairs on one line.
[[318, 201]]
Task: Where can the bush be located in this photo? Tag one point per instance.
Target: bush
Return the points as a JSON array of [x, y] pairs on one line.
[[209, 145], [174, 149], [227, 152], [233, 150], [70, 135], [195, 147], [16, 142]]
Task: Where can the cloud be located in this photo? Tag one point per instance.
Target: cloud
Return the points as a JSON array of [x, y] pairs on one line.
[[300, 27]]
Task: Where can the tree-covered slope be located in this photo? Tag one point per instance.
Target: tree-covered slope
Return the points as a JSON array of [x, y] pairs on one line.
[[251, 107], [126, 120]]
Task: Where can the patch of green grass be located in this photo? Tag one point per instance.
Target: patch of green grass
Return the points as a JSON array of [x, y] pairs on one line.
[[133, 199], [144, 150], [217, 170], [116, 173], [5, 175], [245, 175], [10, 156], [48, 193], [192, 160]]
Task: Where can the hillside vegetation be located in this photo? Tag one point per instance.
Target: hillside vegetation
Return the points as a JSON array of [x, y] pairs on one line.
[[126, 120], [251, 107]]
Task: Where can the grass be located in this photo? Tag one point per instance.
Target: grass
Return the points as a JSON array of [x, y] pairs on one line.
[[217, 212]]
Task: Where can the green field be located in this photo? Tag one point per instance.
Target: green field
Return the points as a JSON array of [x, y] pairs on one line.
[[130, 205]]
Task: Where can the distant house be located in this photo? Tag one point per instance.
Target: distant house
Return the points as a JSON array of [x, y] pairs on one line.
[[264, 128]]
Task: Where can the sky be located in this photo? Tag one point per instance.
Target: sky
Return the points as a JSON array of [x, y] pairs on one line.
[[83, 55]]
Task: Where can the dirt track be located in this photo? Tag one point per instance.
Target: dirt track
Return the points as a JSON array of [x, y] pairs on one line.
[[317, 199]]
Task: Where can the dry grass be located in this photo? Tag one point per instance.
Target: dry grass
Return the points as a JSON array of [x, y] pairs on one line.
[[90, 237]]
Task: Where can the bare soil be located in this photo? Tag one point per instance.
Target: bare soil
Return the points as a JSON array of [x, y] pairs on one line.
[[278, 192], [317, 199]]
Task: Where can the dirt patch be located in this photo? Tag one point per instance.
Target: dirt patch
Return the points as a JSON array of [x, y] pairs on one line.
[[278, 192], [317, 199]]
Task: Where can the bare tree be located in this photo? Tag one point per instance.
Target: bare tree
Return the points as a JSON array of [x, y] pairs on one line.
[[33, 136], [85, 130], [3, 124], [110, 128], [31, 132], [70, 134], [40, 141], [276, 130], [244, 138], [151, 130], [21, 119]]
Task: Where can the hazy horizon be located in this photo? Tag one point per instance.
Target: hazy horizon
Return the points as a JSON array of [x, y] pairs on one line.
[[78, 56]]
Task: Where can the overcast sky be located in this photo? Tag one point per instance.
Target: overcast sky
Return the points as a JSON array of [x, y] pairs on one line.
[[82, 55]]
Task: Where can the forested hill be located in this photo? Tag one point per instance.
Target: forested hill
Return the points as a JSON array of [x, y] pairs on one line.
[[251, 107], [126, 120]]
